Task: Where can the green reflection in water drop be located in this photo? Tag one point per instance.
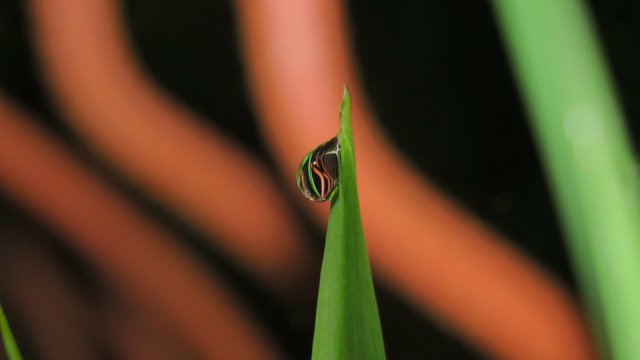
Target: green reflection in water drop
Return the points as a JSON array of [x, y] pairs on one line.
[[317, 176]]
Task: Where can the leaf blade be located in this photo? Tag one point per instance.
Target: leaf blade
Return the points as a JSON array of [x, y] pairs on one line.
[[347, 320], [580, 128], [10, 346]]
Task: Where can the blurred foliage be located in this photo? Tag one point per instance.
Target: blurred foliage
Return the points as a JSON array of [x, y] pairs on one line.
[[10, 346], [582, 136]]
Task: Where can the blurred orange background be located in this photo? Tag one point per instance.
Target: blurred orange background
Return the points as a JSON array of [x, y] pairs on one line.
[[148, 207]]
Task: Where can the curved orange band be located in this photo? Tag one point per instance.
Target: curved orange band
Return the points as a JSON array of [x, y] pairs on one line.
[[159, 276], [160, 144]]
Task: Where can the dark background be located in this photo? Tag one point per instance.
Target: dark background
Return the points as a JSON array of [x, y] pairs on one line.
[[437, 77]]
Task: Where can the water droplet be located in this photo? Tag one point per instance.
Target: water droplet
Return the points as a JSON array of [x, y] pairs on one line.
[[318, 172]]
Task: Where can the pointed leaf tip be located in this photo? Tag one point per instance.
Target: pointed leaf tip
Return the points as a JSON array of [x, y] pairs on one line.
[[346, 97], [345, 109]]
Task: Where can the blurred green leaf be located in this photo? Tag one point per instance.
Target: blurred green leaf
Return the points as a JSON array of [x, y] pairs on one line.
[[347, 322], [581, 133], [9, 342]]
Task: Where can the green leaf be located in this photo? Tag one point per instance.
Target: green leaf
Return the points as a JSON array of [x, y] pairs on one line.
[[9, 342], [581, 133], [347, 322]]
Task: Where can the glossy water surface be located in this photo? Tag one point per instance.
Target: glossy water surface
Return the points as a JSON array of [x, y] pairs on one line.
[[318, 173]]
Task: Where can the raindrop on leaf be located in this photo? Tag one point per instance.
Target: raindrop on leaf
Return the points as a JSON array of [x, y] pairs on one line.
[[317, 176]]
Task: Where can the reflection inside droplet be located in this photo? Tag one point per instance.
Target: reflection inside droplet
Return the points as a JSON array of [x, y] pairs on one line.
[[317, 176]]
